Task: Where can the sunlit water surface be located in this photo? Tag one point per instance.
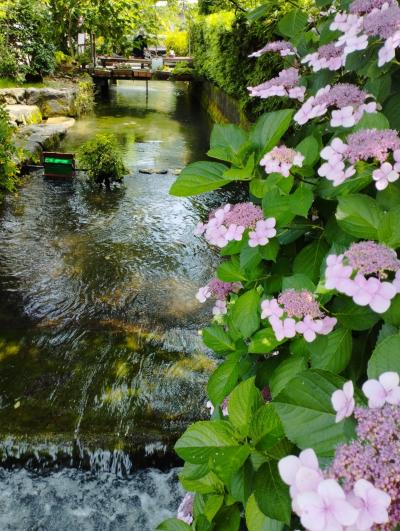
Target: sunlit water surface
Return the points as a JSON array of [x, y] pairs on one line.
[[101, 365]]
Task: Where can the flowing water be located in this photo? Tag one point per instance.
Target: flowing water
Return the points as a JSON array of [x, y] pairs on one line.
[[101, 365]]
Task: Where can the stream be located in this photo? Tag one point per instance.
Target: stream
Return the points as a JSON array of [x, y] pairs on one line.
[[101, 364]]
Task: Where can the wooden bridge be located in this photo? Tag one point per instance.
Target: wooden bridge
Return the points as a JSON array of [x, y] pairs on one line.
[[110, 69]]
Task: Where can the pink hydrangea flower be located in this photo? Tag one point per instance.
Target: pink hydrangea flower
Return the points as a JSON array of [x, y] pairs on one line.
[[327, 508], [367, 144], [343, 401], [360, 273], [382, 391], [327, 56], [296, 312], [219, 290], [349, 104], [265, 229], [185, 509], [281, 159], [372, 505], [230, 222], [284, 49], [384, 175], [285, 84]]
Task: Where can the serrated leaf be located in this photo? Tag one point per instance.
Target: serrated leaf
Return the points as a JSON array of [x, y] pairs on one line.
[[359, 215], [332, 352], [285, 372], [223, 380], [272, 495], [306, 412], [263, 342], [353, 316], [245, 313], [270, 127], [199, 177], [217, 339], [385, 357], [202, 439], [310, 258], [244, 401], [256, 520], [293, 23]]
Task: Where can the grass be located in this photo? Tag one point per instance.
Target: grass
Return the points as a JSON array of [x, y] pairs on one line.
[[6, 82]]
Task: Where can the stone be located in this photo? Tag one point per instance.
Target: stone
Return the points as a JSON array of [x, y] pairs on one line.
[[34, 139], [24, 114], [151, 171], [52, 102], [12, 96]]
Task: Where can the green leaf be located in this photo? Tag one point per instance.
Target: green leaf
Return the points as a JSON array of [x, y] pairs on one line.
[[332, 352], [266, 427], [270, 127], [293, 23], [250, 257], [375, 120], [359, 215], [202, 439], [241, 174], [391, 110], [285, 372], [310, 258], [256, 520], [199, 177], [228, 136], [217, 339], [392, 316], [301, 201], [197, 478], [298, 282], [244, 401], [389, 228], [263, 341], [272, 495], [223, 380], [309, 147], [230, 271], [305, 409], [277, 205], [212, 506], [353, 316], [228, 519], [271, 250], [379, 87], [227, 461], [241, 485], [173, 524], [385, 357], [245, 313]]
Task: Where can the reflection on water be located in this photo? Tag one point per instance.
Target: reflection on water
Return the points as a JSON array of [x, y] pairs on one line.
[[98, 321]]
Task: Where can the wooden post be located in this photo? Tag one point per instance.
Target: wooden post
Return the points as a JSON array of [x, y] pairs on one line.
[[147, 89]]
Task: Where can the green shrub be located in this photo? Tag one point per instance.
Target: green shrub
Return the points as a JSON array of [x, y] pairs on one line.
[[182, 69], [101, 157], [8, 60], [84, 101], [177, 41], [8, 154]]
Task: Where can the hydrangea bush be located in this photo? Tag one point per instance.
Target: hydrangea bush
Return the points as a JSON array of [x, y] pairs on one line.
[[305, 405]]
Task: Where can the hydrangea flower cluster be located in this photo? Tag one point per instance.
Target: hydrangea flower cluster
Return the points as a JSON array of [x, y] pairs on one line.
[[350, 103], [284, 49], [321, 503], [362, 272], [229, 223], [285, 84], [327, 56], [281, 159], [367, 144], [296, 312], [369, 19], [375, 455], [185, 509], [219, 290]]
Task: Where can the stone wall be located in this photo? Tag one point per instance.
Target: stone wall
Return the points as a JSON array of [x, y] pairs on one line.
[[51, 102], [221, 107]]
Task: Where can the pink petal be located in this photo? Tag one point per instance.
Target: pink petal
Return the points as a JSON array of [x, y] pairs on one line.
[[375, 393], [393, 397], [312, 511], [288, 468], [329, 490], [338, 400], [348, 389], [389, 380], [307, 479], [309, 459], [344, 513], [379, 304]]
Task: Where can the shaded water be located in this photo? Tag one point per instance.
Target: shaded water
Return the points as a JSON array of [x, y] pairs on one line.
[[101, 365]]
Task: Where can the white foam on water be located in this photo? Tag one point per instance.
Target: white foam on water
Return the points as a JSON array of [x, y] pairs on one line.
[[74, 500]]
